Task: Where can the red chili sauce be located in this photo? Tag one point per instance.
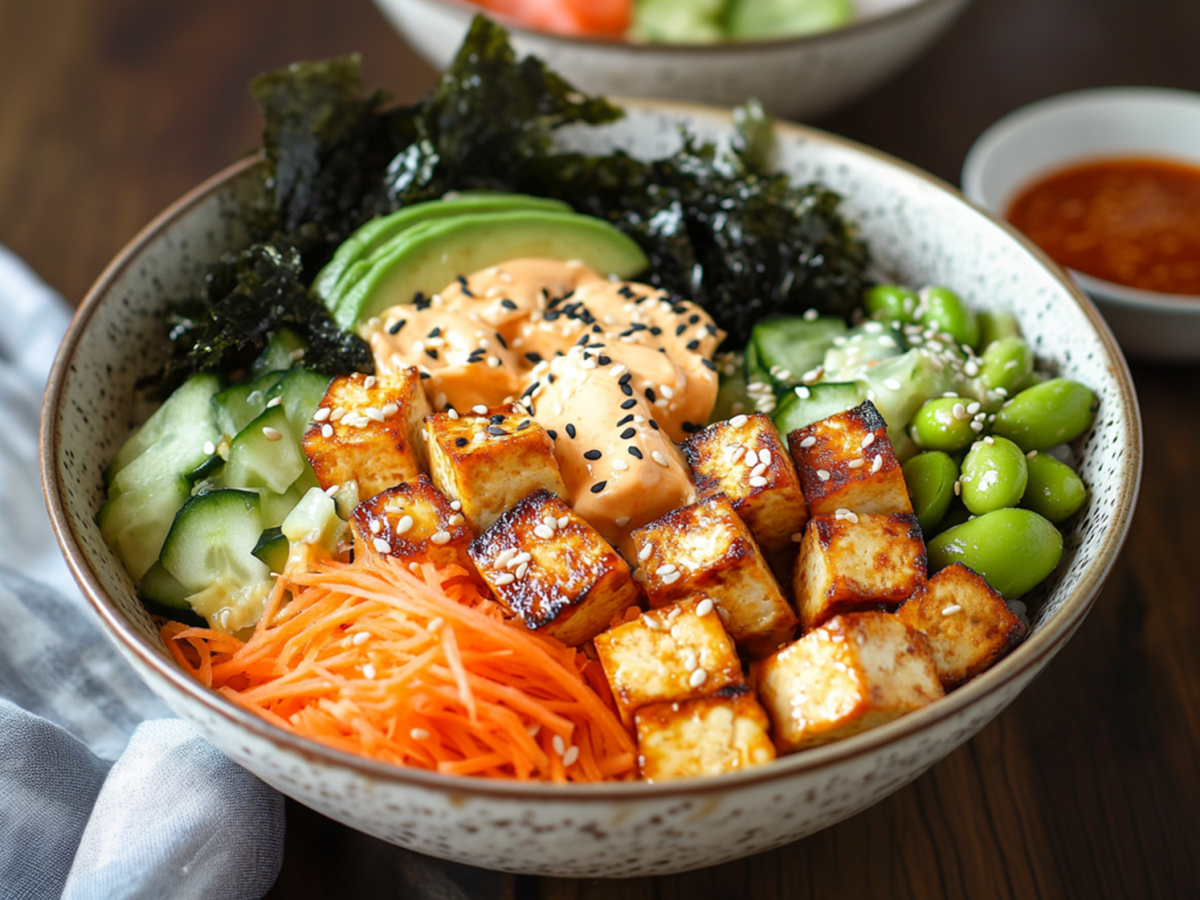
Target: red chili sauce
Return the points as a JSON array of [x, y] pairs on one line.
[[1132, 221]]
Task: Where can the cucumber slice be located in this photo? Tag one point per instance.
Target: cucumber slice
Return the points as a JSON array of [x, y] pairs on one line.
[[186, 409], [135, 522], [751, 20], [238, 406], [213, 539], [678, 21], [822, 401], [315, 521], [265, 454], [732, 398], [272, 548], [302, 391], [787, 348], [900, 385], [863, 347], [160, 586], [278, 352]]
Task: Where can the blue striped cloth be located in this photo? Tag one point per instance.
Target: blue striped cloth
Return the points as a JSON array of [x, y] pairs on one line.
[[102, 794]]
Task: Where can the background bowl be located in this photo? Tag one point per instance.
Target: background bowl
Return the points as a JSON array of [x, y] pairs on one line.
[[796, 78], [921, 231], [1094, 124]]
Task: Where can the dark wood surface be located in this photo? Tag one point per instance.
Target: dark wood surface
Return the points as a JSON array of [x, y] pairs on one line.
[[1087, 786]]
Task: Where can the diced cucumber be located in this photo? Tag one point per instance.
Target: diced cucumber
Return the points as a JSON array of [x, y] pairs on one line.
[[206, 468], [302, 391], [899, 386], [732, 398], [265, 454], [315, 521], [822, 401], [278, 353], [272, 549], [863, 346], [161, 586], [763, 19], [213, 539], [678, 21], [135, 522], [187, 409], [787, 348], [238, 406]]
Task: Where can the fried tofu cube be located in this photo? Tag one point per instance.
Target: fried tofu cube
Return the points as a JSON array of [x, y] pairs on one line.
[[367, 429], [674, 653], [854, 673], [706, 736], [489, 459], [852, 562], [707, 549], [745, 459], [968, 624], [410, 520], [847, 462], [554, 570]]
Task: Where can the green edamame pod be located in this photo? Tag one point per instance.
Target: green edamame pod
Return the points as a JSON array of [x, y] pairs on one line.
[[1053, 412], [994, 475], [995, 324], [945, 309], [1013, 549], [943, 424], [891, 303], [930, 478], [1005, 364], [1054, 490]]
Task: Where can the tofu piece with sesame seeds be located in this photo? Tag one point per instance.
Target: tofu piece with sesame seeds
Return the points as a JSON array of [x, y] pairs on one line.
[[489, 459], [968, 624], [854, 673], [725, 732], [707, 549], [367, 429], [673, 653], [850, 562], [412, 520], [553, 570], [745, 459], [847, 462]]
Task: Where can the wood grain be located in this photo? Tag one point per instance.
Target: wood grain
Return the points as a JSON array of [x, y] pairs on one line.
[[1087, 787]]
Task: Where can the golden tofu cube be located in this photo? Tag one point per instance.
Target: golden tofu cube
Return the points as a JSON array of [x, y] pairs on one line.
[[745, 459], [847, 462], [706, 549], [412, 520], [706, 736], [968, 624], [673, 653], [367, 429], [852, 562], [489, 460], [554, 570], [854, 673]]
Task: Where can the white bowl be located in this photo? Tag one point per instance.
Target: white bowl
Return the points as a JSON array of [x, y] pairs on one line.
[[921, 232], [1095, 124], [797, 78]]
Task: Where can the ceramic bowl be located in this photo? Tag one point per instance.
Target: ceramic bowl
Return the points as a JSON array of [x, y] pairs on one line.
[[1097, 124], [797, 78], [921, 230]]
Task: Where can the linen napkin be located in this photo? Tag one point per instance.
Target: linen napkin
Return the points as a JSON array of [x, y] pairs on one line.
[[101, 794]]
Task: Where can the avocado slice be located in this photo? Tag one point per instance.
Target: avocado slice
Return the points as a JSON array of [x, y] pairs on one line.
[[427, 257], [331, 282]]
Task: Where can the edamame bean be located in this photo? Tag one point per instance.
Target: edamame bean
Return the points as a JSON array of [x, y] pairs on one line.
[[995, 324], [1053, 412], [994, 475], [1013, 549], [1006, 363], [1054, 490], [943, 424], [891, 303], [930, 478], [945, 309]]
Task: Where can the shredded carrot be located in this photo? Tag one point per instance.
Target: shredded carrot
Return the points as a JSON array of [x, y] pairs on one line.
[[419, 668]]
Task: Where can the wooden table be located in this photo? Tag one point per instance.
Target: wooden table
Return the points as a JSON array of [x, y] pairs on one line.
[[1088, 786]]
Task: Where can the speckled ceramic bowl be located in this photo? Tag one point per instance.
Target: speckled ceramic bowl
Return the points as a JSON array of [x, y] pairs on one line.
[[797, 77], [921, 231]]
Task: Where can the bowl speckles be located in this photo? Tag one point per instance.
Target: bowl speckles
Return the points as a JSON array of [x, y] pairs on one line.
[[922, 232]]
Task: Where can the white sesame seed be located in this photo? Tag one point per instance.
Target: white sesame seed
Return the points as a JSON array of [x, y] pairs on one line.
[[361, 638], [390, 409], [620, 465], [321, 414], [671, 578], [802, 392], [271, 434], [543, 532], [274, 402], [951, 609], [808, 442], [440, 537], [332, 489], [454, 521], [405, 523], [823, 474], [697, 678], [667, 569], [376, 526], [564, 521], [876, 465], [419, 734], [622, 522], [959, 411], [972, 408], [737, 421], [957, 488], [435, 623], [704, 607], [971, 369], [368, 670], [735, 452], [810, 315], [617, 370], [456, 505], [415, 568], [1032, 454], [479, 409], [856, 463], [522, 569], [503, 578], [757, 481], [891, 384], [659, 458], [381, 545], [559, 745], [976, 427], [867, 441], [571, 756], [503, 557], [517, 560], [758, 470], [209, 447]]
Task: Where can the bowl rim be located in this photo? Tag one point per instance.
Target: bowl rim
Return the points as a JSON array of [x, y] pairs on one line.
[[1029, 654], [466, 10], [1013, 126]]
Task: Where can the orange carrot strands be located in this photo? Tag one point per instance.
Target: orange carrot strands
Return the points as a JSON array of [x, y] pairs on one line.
[[418, 668]]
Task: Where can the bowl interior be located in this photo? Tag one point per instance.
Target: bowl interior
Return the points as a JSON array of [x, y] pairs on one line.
[[921, 232]]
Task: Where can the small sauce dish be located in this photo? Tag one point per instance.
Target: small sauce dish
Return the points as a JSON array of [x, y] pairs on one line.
[[1089, 126]]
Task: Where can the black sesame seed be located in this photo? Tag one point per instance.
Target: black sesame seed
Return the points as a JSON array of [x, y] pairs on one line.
[[495, 429], [598, 486], [693, 345], [629, 404], [465, 288], [603, 360], [626, 390], [395, 329], [592, 454], [534, 358], [551, 315], [635, 452], [709, 364], [460, 442], [680, 330], [570, 431], [553, 377], [431, 353], [693, 318], [503, 342], [628, 433], [711, 329], [626, 420], [508, 304], [553, 434], [624, 379], [426, 375], [497, 418], [524, 425], [437, 331], [656, 331], [650, 395], [654, 425], [596, 329], [692, 427]]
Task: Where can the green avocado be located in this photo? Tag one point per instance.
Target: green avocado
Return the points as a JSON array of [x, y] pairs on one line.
[[427, 257], [333, 280]]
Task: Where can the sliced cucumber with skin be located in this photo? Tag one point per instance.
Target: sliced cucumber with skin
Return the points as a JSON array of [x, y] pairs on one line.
[[272, 548], [315, 521], [732, 398], [278, 353], [238, 406], [863, 346], [900, 385], [301, 391], [787, 348], [822, 401], [767, 19], [135, 522], [265, 454], [160, 586], [213, 539]]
